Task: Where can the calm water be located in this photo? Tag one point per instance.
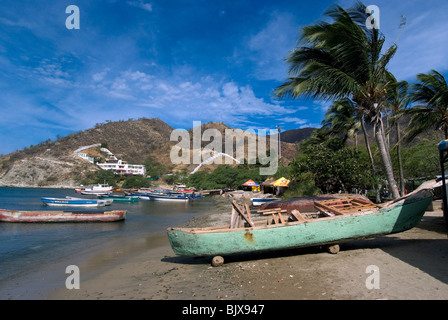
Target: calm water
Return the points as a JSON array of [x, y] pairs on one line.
[[31, 251]]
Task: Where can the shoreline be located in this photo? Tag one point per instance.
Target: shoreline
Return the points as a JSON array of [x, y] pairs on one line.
[[411, 265]]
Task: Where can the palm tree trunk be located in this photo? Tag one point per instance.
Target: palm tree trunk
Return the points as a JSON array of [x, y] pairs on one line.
[[385, 157], [372, 163], [400, 163], [366, 139]]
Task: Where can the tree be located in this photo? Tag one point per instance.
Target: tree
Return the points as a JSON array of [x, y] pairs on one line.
[[398, 100], [344, 59], [431, 94], [341, 119], [333, 166]]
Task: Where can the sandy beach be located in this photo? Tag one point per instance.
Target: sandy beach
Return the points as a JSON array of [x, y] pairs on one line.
[[410, 265]]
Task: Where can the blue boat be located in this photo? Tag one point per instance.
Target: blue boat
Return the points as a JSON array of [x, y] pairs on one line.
[[73, 202], [168, 196]]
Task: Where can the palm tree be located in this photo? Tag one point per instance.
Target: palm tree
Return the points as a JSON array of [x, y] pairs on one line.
[[397, 103], [341, 119], [432, 110], [344, 59]]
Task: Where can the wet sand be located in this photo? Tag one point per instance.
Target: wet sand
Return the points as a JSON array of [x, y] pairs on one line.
[[411, 265]]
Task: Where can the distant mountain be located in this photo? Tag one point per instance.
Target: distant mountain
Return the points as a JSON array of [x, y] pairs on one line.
[[296, 135], [53, 163]]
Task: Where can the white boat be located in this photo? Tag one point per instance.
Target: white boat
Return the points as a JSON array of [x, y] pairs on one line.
[[64, 202], [260, 201], [97, 189]]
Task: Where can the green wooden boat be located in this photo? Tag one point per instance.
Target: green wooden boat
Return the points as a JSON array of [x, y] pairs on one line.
[[120, 198], [331, 226]]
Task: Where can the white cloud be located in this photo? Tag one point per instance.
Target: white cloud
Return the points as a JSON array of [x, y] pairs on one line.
[[294, 120], [142, 5]]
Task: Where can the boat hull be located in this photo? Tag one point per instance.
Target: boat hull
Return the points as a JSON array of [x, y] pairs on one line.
[[261, 201], [209, 242], [60, 216], [170, 199], [67, 202], [167, 197], [121, 199]]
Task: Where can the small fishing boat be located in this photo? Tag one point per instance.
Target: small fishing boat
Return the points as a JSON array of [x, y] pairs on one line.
[[108, 202], [334, 221], [261, 201], [61, 216], [96, 189], [73, 202], [168, 196], [119, 198]]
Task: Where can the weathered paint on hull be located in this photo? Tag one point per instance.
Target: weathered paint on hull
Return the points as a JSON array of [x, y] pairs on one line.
[[60, 216], [299, 234]]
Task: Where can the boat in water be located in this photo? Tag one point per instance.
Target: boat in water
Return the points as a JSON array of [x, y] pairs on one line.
[[332, 222], [73, 202], [96, 189], [168, 196], [119, 197], [107, 202], [61, 216]]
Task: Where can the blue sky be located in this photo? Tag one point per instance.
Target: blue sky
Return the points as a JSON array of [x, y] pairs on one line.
[[177, 60]]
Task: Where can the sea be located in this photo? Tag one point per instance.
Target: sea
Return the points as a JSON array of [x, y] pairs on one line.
[[34, 256]]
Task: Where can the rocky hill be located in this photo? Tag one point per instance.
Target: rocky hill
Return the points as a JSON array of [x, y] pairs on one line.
[[142, 141]]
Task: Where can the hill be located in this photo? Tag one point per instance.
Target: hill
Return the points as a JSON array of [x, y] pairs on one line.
[[142, 141], [296, 135]]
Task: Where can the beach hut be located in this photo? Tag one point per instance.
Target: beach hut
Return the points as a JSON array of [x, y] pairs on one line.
[[282, 182], [267, 186], [252, 184], [280, 185]]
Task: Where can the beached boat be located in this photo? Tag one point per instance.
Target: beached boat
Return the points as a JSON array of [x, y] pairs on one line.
[[261, 201], [73, 202], [61, 216], [334, 221]]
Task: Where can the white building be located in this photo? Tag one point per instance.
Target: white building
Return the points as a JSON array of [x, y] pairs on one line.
[[112, 162], [122, 167]]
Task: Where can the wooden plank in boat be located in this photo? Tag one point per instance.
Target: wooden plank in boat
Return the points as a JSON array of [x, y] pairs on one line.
[[238, 209], [295, 214]]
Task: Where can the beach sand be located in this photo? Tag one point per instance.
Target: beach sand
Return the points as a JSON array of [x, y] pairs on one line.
[[410, 265]]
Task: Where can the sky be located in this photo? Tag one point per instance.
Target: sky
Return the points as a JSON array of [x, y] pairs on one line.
[[177, 60]]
